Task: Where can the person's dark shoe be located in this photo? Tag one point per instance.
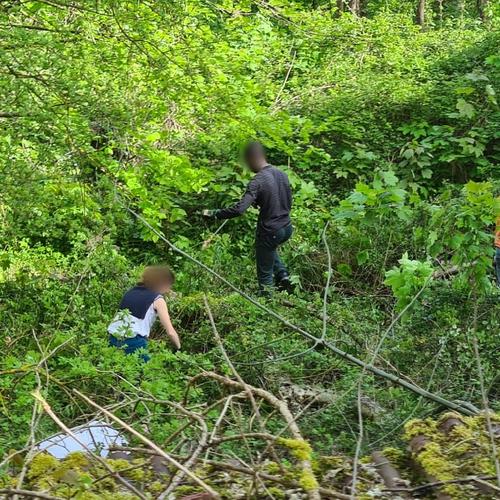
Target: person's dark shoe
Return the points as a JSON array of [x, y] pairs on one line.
[[285, 285], [265, 293]]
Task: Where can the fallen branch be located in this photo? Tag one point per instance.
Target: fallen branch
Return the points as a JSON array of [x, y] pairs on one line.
[[27, 493], [418, 444], [46, 407], [285, 481], [339, 352], [387, 472], [436, 484], [191, 461], [150, 443], [484, 396], [282, 407], [246, 388]]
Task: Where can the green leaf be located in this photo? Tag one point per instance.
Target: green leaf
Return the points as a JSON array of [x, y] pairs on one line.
[[362, 257], [465, 108], [389, 178], [155, 136], [344, 269]]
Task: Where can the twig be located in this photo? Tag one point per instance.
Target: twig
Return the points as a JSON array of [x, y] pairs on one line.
[[191, 461], [246, 388], [150, 443], [484, 396], [209, 240], [51, 353], [360, 380], [282, 407], [218, 422], [287, 481], [35, 417], [68, 431], [249, 435], [436, 484], [359, 442], [346, 356], [487, 486], [328, 280], [290, 66], [27, 493]]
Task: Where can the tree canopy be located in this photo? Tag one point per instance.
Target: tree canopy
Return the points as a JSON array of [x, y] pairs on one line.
[[385, 116]]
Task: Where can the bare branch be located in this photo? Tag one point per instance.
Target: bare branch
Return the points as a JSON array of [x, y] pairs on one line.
[[339, 352], [150, 443], [69, 432], [27, 493], [484, 396], [281, 406]]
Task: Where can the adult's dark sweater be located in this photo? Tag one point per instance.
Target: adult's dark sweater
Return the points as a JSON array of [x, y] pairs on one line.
[[270, 191]]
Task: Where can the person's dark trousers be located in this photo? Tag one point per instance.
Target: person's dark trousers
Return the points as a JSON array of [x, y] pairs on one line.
[[132, 345], [497, 265], [269, 264]]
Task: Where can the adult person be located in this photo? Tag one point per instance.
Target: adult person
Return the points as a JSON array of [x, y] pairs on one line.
[[270, 191]]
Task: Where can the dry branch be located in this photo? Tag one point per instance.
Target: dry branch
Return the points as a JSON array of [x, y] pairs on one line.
[[285, 481], [484, 396], [191, 461], [437, 484], [281, 406], [339, 352], [387, 472], [150, 443], [246, 388], [27, 493]]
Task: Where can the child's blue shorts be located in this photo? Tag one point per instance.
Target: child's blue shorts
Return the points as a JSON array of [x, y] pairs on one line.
[[132, 345]]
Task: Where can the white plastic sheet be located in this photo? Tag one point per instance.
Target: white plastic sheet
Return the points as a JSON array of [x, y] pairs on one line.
[[97, 436]]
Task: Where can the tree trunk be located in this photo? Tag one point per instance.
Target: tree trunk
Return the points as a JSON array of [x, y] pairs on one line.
[[440, 4], [355, 7], [420, 18], [482, 6], [340, 7]]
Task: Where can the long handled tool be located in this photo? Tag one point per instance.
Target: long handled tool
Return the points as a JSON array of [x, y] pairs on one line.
[[208, 241]]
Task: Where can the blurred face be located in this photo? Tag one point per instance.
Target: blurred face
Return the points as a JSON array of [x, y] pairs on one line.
[[164, 288], [254, 163]]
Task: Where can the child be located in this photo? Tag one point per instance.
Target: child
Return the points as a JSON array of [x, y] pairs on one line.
[[138, 310]]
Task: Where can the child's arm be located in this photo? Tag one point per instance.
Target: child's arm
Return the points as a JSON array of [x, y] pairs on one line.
[[162, 310]]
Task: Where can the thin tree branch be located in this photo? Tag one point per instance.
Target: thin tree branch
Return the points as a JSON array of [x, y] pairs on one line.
[[286, 481], [69, 432], [282, 407], [436, 484], [346, 356], [484, 396], [28, 493], [150, 443]]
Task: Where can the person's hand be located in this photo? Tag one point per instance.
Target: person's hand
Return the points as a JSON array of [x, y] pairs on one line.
[[209, 213]]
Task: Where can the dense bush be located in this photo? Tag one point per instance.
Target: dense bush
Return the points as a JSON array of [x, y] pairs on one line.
[[389, 134]]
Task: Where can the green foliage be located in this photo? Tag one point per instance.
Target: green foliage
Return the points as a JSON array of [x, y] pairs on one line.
[[388, 132], [408, 279], [462, 227]]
